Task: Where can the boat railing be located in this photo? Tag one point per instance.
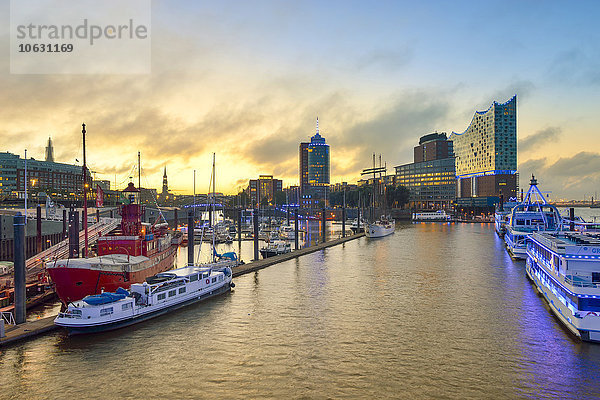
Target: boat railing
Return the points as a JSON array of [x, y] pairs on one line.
[[578, 282]]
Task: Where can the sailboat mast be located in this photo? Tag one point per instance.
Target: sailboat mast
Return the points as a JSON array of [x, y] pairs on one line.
[[139, 173], [85, 213], [212, 216]]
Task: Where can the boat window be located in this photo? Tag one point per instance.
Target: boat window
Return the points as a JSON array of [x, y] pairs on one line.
[[106, 311], [221, 278], [520, 222], [182, 290], [162, 296], [596, 277], [127, 306], [172, 293], [193, 278], [214, 280], [76, 312]]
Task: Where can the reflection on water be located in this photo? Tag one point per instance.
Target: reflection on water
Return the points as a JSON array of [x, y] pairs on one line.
[[435, 310]]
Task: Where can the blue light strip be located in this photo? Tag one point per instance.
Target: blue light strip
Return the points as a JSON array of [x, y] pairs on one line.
[[489, 173]]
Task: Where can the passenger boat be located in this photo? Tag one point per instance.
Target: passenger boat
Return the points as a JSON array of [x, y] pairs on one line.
[[159, 294], [383, 227], [532, 215], [502, 216], [275, 248], [439, 215], [565, 267], [130, 256]]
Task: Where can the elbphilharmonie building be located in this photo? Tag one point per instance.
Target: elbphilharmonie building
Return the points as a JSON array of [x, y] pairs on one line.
[[486, 156]]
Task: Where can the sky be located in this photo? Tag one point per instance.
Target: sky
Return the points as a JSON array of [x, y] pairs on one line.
[[247, 80]]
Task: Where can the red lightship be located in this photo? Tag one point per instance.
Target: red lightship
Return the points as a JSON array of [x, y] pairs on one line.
[[137, 252]]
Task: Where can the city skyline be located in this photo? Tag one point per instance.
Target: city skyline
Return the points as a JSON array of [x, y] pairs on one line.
[[222, 81]]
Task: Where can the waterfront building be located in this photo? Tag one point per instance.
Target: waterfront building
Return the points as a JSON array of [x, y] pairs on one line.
[[431, 177], [293, 195], [303, 167], [343, 186], [486, 156], [318, 171], [56, 179], [263, 189]]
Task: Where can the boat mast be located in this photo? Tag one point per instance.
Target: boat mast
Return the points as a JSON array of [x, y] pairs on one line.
[[25, 186], [212, 215], [139, 175], [85, 213]]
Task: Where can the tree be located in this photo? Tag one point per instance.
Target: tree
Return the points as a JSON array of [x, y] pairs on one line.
[[397, 196]]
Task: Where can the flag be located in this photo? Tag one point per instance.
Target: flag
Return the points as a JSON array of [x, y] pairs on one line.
[[99, 196]]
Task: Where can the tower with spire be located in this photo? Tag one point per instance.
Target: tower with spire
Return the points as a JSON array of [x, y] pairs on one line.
[[50, 150], [165, 187]]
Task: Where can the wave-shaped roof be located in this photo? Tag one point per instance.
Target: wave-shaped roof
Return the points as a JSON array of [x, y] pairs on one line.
[[482, 113]]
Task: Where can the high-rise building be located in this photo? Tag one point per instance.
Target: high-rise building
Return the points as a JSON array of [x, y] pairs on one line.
[[50, 151], [486, 156], [263, 189], [434, 146], [303, 167], [318, 171], [430, 178]]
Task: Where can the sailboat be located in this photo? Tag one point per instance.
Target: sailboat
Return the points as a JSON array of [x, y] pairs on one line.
[[385, 225], [218, 261]]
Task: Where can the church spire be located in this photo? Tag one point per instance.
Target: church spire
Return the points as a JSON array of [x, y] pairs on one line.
[[50, 150]]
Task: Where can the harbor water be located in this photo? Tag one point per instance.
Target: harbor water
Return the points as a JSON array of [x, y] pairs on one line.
[[434, 311]]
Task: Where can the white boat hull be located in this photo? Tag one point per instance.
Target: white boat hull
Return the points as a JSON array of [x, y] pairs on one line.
[[379, 230]]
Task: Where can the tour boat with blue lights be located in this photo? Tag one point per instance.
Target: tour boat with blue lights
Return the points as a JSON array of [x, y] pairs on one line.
[[159, 294], [532, 215], [565, 267], [136, 252], [431, 216]]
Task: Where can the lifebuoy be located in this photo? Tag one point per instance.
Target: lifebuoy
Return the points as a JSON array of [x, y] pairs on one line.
[[207, 281]]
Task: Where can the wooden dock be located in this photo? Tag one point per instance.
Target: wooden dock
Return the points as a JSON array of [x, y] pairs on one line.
[[28, 330], [43, 325], [260, 264]]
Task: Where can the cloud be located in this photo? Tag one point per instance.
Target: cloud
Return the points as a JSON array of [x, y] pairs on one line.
[[576, 66], [522, 88], [572, 176], [389, 60], [541, 137]]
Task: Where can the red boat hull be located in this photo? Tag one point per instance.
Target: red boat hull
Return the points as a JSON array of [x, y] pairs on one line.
[[73, 284]]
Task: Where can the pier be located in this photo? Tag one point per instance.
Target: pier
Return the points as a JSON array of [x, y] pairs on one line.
[[35, 328]]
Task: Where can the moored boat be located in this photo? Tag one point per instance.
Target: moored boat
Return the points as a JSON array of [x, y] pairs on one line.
[[275, 248], [438, 216], [130, 256], [565, 267], [380, 228], [159, 294], [532, 215]]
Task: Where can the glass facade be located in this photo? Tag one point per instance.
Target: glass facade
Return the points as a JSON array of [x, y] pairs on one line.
[[318, 168], [486, 153], [432, 184]]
